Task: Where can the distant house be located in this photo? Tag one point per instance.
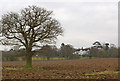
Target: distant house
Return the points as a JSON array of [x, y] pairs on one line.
[[81, 51], [97, 45], [16, 47]]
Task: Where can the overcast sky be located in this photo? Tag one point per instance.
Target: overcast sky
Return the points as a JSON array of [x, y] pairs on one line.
[[83, 22]]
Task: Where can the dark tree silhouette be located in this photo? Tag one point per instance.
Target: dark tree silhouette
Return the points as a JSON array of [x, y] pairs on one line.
[[48, 51], [27, 28], [67, 51]]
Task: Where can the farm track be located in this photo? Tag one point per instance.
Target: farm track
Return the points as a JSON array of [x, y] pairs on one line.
[[64, 69]]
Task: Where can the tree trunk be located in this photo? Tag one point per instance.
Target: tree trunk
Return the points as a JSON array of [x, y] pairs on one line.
[[28, 60], [48, 58]]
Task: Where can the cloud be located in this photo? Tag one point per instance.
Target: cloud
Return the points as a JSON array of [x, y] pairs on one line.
[[83, 22]]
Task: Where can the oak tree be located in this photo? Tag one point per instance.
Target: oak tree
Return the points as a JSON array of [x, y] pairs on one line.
[[32, 26]]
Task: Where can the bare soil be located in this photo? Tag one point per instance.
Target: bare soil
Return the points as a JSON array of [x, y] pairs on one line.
[[64, 69]]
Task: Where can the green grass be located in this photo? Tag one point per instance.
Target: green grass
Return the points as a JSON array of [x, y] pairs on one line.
[[39, 58], [88, 74], [57, 58], [45, 58], [104, 73], [20, 69]]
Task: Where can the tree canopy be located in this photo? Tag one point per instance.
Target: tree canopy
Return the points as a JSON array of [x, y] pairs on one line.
[[32, 25]]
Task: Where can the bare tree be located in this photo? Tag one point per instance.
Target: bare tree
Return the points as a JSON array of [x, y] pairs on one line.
[[48, 51], [29, 28], [67, 51]]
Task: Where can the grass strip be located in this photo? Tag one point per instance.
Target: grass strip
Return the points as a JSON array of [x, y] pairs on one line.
[[105, 73], [19, 69]]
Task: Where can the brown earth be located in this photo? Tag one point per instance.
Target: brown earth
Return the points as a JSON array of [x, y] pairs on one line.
[[64, 69]]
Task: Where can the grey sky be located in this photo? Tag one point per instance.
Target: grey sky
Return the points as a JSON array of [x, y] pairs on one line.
[[83, 22]]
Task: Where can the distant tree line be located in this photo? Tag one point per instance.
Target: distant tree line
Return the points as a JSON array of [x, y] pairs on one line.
[[13, 55], [103, 50], [66, 51], [94, 52], [48, 51]]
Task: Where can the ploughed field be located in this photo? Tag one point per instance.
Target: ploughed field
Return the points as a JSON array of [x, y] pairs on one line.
[[102, 68]]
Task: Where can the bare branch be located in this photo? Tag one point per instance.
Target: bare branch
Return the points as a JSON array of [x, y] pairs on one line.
[[32, 25]]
